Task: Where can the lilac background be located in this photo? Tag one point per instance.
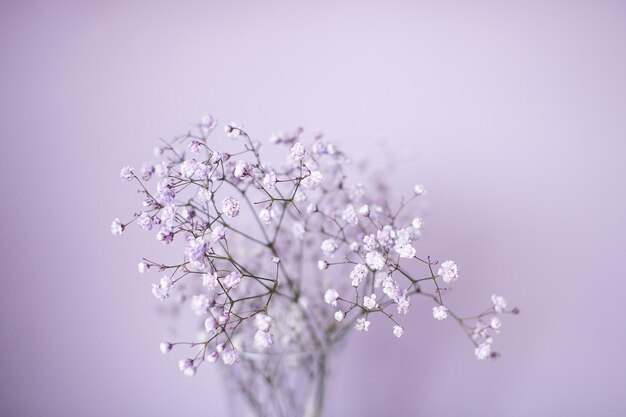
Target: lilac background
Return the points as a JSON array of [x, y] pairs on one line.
[[512, 113]]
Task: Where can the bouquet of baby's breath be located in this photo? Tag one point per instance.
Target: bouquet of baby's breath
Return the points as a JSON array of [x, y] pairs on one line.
[[256, 243]]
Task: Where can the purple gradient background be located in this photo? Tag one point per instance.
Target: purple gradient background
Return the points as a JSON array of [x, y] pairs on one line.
[[512, 113]]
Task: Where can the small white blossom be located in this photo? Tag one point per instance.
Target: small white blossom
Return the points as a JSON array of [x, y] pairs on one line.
[[276, 259], [165, 347], [405, 251], [230, 356], [329, 246], [440, 312], [339, 315], [218, 233], [263, 339], [242, 168], [370, 302], [233, 130], [208, 123], [269, 180], [322, 265], [375, 260], [266, 216], [232, 280], [117, 228], [127, 173], [262, 321], [398, 331], [419, 189], [495, 323], [210, 281], [210, 325], [362, 325], [499, 303], [331, 296], [357, 274], [142, 267], [417, 223], [298, 152], [230, 207], [200, 304], [349, 215], [449, 271], [483, 351], [364, 210]]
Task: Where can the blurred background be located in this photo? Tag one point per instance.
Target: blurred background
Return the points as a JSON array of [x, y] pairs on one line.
[[513, 114]]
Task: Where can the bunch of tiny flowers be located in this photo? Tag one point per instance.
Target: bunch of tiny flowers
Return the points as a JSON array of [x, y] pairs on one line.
[[253, 237]]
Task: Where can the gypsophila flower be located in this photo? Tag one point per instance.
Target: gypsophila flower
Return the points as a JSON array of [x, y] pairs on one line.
[[312, 181], [322, 265], [440, 312], [329, 246], [208, 123], [269, 180], [165, 347], [483, 351], [262, 321], [417, 223], [358, 273], [405, 251], [117, 228], [233, 130], [362, 325], [210, 325], [263, 339], [339, 315], [185, 364], [499, 303], [242, 169], [230, 207], [127, 173], [276, 259], [230, 356], [298, 152], [232, 280], [210, 281], [349, 215], [266, 216], [398, 331], [200, 304], [369, 243], [375, 260], [145, 221], [495, 323], [142, 267], [449, 271], [370, 302], [218, 233], [419, 189], [331, 296], [364, 210]]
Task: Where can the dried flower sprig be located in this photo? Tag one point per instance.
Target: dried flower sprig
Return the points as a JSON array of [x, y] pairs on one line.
[[251, 233]]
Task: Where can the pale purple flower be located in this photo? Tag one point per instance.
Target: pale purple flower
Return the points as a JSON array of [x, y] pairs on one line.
[[263, 339], [349, 215], [230, 207], [331, 296], [165, 236], [398, 331], [210, 281], [313, 180], [210, 325], [230, 356], [297, 151], [369, 243], [200, 304], [483, 351], [362, 325], [242, 169], [262, 321], [188, 168], [117, 228], [208, 123], [440, 312], [370, 302], [449, 271], [218, 232], [358, 273], [329, 246], [269, 180], [499, 303], [375, 260], [127, 173], [145, 221], [233, 130], [266, 216], [194, 146], [196, 251], [232, 280], [147, 169]]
